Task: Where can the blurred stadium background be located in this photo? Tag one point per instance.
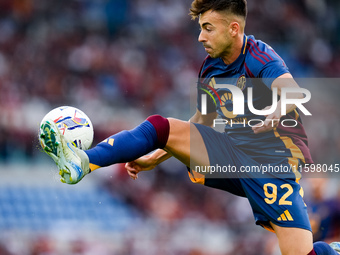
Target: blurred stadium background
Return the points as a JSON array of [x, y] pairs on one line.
[[120, 61]]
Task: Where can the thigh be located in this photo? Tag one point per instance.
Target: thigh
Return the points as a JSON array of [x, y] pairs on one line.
[[278, 206], [186, 144], [215, 165], [278, 201], [293, 241]]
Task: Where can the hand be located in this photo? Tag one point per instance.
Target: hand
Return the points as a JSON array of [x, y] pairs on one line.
[[271, 122], [144, 163]]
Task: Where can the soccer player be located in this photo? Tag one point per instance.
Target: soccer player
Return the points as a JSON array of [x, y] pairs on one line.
[[233, 58]]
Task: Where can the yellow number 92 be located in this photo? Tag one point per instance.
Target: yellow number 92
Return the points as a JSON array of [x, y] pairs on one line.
[[270, 191]]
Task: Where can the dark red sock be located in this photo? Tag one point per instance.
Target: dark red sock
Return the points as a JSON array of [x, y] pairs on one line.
[[162, 128]]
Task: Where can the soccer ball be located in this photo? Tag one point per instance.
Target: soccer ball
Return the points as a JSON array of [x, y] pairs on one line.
[[73, 124]]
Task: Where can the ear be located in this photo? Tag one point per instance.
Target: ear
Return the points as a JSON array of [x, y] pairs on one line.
[[234, 28]]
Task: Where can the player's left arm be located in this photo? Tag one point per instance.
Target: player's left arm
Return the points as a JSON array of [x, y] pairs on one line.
[[272, 120]]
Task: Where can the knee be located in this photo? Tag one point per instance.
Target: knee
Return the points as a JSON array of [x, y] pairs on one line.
[[162, 127], [158, 122]]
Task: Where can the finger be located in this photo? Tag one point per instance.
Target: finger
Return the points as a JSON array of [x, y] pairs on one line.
[[261, 125], [257, 129], [129, 166], [261, 129], [133, 174], [257, 125], [133, 167], [131, 170]]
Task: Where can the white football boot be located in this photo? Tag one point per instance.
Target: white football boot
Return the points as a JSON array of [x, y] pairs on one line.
[[73, 163], [335, 246]]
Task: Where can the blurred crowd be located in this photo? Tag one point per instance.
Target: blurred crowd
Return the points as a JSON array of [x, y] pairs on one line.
[[122, 60]]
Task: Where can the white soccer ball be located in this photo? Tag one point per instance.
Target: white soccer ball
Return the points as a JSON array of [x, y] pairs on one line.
[[74, 124]]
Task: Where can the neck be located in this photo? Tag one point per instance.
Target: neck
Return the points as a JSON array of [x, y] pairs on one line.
[[235, 50]]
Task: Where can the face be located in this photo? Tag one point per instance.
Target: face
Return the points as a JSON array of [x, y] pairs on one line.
[[215, 33]]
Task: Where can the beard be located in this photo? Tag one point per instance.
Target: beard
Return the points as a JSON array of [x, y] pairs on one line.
[[215, 53]]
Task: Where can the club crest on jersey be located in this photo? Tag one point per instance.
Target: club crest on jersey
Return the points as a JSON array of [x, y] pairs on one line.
[[241, 82]]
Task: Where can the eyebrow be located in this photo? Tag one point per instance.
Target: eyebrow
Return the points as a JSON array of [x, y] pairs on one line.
[[206, 24]]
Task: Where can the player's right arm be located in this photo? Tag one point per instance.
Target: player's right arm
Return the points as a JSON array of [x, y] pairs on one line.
[[149, 162]]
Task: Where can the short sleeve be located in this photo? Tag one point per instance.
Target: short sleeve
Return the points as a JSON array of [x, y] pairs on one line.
[[271, 71], [263, 62]]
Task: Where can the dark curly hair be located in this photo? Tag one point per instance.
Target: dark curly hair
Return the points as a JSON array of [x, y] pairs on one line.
[[237, 7]]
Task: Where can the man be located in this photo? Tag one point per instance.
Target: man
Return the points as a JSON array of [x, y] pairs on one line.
[[233, 58]]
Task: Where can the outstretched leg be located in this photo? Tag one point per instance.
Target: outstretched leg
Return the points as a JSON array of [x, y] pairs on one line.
[[180, 138]]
